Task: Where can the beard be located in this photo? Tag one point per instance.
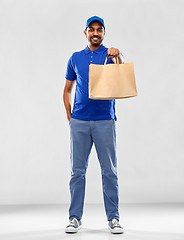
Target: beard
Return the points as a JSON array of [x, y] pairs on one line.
[[97, 42]]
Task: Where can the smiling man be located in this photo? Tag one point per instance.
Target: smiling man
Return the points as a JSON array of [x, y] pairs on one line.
[[91, 121]]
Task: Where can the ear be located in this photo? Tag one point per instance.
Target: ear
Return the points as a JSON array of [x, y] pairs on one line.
[[85, 33]]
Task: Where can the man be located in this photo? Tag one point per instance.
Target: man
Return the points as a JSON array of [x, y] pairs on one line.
[[91, 121]]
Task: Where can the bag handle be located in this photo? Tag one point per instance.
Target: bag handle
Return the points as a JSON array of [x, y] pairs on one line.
[[117, 59]]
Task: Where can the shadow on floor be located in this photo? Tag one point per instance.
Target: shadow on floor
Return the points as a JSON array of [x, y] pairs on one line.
[[91, 234]]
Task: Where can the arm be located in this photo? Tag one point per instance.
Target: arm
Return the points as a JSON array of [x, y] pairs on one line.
[[67, 97]]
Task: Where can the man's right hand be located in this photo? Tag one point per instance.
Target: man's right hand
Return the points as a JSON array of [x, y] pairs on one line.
[[69, 117]]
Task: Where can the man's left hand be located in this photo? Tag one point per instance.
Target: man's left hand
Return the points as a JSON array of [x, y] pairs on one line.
[[113, 52]]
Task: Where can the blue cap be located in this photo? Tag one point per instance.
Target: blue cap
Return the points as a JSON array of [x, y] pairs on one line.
[[95, 18]]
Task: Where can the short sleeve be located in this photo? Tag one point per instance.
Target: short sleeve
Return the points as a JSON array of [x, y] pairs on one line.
[[70, 73]]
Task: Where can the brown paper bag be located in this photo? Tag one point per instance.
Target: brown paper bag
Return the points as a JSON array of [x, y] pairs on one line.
[[112, 81]]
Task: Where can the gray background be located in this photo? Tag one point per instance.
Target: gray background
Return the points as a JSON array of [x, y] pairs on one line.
[[36, 39]]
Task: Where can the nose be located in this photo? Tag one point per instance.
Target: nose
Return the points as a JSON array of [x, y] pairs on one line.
[[95, 32]]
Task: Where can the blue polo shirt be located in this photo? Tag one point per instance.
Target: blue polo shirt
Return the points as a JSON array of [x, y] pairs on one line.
[[85, 108]]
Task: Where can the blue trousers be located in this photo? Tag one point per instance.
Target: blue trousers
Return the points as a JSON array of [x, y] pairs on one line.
[[82, 136]]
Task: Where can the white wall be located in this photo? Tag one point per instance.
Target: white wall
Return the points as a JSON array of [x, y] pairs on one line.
[[36, 39]]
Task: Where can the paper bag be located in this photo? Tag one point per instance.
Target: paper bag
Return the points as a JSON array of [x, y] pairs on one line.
[[112, 81]]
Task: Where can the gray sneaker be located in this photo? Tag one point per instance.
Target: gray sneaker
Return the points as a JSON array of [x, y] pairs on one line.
[[114, 226], [74, 226]]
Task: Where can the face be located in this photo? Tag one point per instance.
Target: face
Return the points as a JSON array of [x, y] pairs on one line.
[[95, 33]]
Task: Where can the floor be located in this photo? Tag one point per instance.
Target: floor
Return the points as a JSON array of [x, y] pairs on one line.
[[47, 222]]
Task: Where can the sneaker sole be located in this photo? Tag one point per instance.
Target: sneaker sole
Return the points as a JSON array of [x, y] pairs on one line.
[[72, 229], [116, 230]]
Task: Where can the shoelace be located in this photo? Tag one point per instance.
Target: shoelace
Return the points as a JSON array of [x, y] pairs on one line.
[[115, 222], [73, 222]]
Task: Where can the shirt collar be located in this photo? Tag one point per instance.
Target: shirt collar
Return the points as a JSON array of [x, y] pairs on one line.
[[100, 49]]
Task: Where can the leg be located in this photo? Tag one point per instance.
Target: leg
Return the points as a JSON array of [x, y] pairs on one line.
[[80, 147], [104, 137]]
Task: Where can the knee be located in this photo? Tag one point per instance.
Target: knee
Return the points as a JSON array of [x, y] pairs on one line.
[[77, 173], [109, 172]]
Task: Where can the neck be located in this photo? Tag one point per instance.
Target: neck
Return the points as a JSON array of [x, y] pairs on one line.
[[93, 48]]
